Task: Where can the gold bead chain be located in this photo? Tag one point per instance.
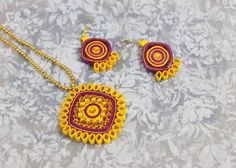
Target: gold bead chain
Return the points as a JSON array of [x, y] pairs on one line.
[[34, 64]]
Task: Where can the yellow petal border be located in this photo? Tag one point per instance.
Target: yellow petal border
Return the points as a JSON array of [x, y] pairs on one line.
[[88, 137], [108, 64], [169, 73]]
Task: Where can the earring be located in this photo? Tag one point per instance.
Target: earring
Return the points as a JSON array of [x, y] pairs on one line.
[[98, 53], [158, 57]]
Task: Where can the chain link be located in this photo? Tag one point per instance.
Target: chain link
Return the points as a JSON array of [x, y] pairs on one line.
[[34, 64]]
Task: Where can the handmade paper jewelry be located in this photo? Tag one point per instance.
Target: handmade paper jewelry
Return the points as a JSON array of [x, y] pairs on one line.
[[98, 53], [91, 113], [158, 57]]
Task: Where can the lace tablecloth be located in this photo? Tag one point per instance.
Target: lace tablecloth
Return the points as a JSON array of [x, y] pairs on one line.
[[184, 122]]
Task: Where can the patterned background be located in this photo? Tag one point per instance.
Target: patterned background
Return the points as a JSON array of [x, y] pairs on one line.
[[184, 122]]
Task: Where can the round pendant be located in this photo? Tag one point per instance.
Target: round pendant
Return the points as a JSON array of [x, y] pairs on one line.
[[158, 57], [92, 114], [98, 53]]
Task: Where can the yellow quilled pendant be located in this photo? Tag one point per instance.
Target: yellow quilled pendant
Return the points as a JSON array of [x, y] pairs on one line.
[[93, 113]]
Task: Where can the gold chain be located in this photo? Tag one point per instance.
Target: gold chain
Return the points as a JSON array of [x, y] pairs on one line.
[[42, 54]]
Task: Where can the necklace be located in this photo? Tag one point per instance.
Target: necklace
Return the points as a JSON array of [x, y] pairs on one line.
[[91, 113]]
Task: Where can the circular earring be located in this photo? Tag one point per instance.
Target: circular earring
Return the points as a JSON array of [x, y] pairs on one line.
[[98, 53], [158, 58]]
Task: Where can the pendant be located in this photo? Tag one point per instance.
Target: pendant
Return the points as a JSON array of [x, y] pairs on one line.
[[158, 57], [92, 113], [98, 53]]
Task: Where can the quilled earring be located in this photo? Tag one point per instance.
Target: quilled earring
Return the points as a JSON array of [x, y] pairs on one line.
[[158, 58], [98, 53]]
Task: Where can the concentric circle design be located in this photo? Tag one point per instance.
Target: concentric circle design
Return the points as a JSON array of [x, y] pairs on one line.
[[93, 113], [92, 110], [95, 50], [157, 56]]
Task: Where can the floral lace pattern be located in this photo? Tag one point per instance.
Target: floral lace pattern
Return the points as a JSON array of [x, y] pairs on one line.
[[185, 122]]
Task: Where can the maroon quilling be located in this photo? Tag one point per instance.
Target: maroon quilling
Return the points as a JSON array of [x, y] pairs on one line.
[[98, 53], [95, 50], [158, 57], [107, 122]]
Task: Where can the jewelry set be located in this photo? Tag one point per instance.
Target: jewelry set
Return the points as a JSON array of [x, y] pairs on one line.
[[95, 113]]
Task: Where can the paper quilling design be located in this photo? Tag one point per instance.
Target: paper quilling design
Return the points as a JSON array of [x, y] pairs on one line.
[[98, 53], [157, 57], [93, 113]]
